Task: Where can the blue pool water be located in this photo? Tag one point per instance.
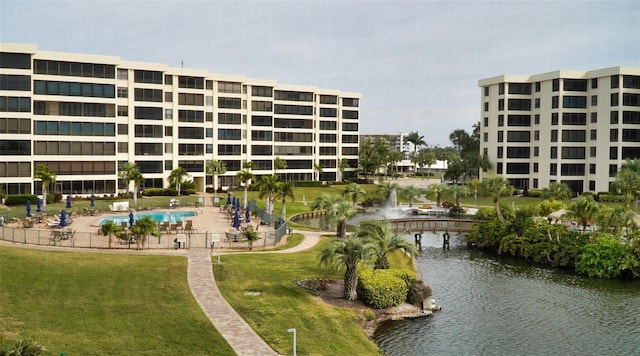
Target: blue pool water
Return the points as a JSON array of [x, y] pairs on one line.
[[159, 216]]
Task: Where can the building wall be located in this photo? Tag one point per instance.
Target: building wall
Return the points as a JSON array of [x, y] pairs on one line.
[[84, 115], [570, 126]]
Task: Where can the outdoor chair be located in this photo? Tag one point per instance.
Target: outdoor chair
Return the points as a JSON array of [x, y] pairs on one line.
[[174, 228], [124, 225], [165, 227]]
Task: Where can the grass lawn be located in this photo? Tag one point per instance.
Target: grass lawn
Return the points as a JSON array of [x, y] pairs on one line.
[[103, 304], [321, 329]]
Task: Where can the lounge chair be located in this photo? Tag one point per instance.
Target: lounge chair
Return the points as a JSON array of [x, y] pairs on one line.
[[165, 227]]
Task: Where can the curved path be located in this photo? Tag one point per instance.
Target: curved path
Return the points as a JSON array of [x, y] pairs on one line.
[[242, 338]]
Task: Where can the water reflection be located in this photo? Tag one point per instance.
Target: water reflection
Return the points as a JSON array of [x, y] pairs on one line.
[[497, 305]]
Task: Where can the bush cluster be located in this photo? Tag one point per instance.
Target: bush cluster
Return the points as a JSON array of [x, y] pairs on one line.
[[310, 183], [534, 193], [20, 199], [611, 197], [160, 192], [383, 288]]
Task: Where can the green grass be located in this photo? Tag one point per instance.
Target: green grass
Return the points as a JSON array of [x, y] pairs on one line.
[[322, 329], [93, 304]]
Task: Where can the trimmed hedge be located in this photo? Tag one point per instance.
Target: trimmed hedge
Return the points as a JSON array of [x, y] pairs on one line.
[[408, 276], [381, 288], [534, 193], [160, 192], [611, 198], [20, 199]]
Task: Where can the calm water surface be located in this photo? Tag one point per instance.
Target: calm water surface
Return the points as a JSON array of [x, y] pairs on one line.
[[503, 306]]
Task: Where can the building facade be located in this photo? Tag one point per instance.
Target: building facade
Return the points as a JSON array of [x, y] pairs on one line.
[[575, 127], [85, 115]]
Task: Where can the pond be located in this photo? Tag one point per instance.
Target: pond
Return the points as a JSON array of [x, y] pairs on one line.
[[503, 306]]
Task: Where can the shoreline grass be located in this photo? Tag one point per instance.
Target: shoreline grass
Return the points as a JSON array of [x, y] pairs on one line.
[[92, 304]]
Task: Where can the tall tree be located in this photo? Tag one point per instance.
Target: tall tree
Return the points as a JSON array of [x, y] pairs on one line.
[[343, 164], [47, 177], [284, 190], [410, 192], [216, 168], [459, 191], [628, 182], [176, 177], [245, 177], [279, 164], [129, 172], [382, 151], [425, 157], [143, 228], [497, 187], [337, 211], [557, 191], [474, 187], [317, 168], [459, 138], [385, 189], [353, 190], [583, 209], [385, 241], [435, 191], [417, 140], [268, 186], [368, 158], [347, 253], [109, 228]]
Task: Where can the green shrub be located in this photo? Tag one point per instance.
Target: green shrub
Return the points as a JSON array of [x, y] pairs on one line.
[[381, 288], [611, 198], [408, 276], [160, 192], [309, 183], [534, 193], [602, 259], [548, 206], [20, 199]]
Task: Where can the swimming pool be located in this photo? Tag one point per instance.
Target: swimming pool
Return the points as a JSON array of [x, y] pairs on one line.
[[159, 216]]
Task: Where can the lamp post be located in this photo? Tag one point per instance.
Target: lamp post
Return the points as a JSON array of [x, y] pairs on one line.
[[293, 330]]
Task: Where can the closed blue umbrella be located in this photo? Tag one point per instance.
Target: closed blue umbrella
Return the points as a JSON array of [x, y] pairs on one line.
[[247, 214], [236, 219], [92, 200], [131, 219], [63, 218], [38, 204], [228, 198], [68, 201], [28, 208], [238, 204]]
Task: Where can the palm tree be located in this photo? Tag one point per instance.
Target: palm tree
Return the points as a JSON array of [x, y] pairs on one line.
[[248, 165], [474, 186], [385, 240], [337, 210], [557, 191], [279, 163], [347, 253], [583, 209], [142, 228], [410, 192], [417, 140], [268, 186], [385, 189], [176, 177], [283, 191], [109, 229], [615, 221], [216, 168], [458, 191], [435, 191], [130, 172], [343, 164], [245, 177], [317, 167], [628, 182], [47, 177], [497, 187], [354, 190]]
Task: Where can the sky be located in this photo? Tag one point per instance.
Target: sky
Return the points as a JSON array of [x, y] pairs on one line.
[[416, 63]]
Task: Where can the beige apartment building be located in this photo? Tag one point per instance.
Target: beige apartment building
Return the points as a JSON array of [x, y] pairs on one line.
[[84, 115], [576, 127]]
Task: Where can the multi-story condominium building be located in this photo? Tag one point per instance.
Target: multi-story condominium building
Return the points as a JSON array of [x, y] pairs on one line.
[[84, 115], [570, 126]]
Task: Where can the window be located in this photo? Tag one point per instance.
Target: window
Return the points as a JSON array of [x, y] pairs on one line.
[[536, 151], [485, 137], [500, 88], [292, 137], [499, 168], [229, 134], [191, 132], [147, 76], [536, 119], [631, 117], [554, 118], [592, 169], [486, 121], [229, 87], [570, 169], [630, 99], [554, 102], [74, 69], [553, 169], [594, 100], [594, 83], [613, 152], [15, 60], [349, 126], [15, 104], [535, 167], [351, 102], [517, 168], [168, 114], [225, 118], [519, 120], [592, 152], [555, 85], [293, 96], [575, 84], [15, 82], [536, 135], [500, 120], [517, 152], [574, 135], [630, 135], [500, 136], [594, 117], [537, 103], [486, 107], [15, 126], [615, 79], [574, 102], [152, 95], [123, 110], [190, 82], [593, 135], [614, 118], [614, 99], [554, 152], [266, 92], [613, 170], [266, 106], [554, 135], [123, 74], [328, 138], [331, 151], [168, 79], [328, 112], [328, 99], [573, 153], [74, 89], [293, 151], [613, 135], [258, 135], [293, 123], [261, 150], [168, 97], [229, 103], [520, 88], [572, 118], [518, 136], [122, 92], [500, 104], [257, 120], [191, 99], [190, 116], [486, 91], [631, 81], [537, 85], [153, 131], [349, 138], [148, 113]]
